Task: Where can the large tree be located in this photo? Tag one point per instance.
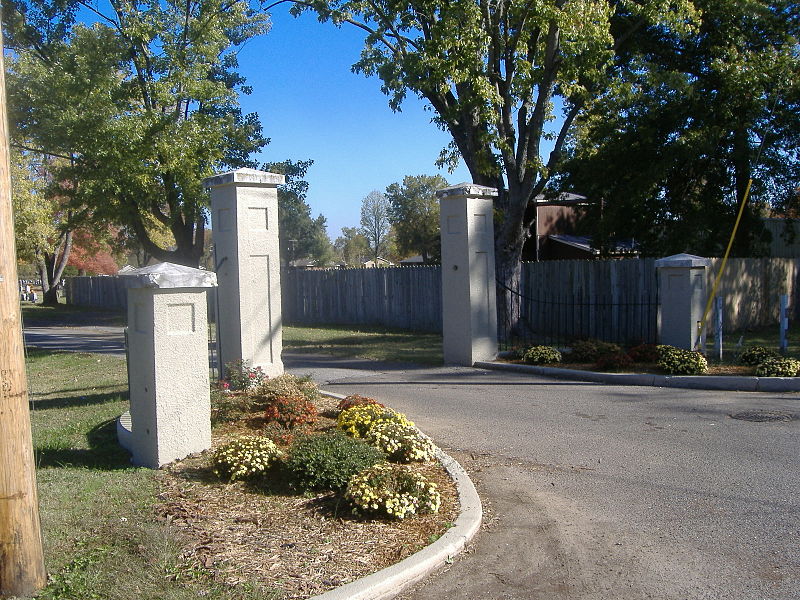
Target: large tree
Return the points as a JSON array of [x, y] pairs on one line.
[[375, 225], [414, 215], [144, 103], [492, 72], [352, 247], [666, 154]]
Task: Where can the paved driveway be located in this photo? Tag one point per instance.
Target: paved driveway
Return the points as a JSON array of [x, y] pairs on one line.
[[599, 492]]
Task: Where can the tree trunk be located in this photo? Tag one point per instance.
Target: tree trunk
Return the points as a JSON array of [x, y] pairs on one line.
[[51, 268], [509, 241]]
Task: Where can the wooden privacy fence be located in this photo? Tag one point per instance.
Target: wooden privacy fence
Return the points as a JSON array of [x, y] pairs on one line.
[[402, 297], [615, 299]]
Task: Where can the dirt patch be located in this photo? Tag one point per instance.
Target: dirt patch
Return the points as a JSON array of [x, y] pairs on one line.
[[297, 545]]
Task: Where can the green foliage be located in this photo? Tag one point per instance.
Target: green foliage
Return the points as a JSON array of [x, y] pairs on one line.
[[356, 400], [677, 361], [226, 407], [778, 367], [245, 458], [302, 237], [358, 420], [290, 411], [352, 247], [328, 461], [401, 443], [287, 385], [142, 104], [539, 355], [414, 215], [241, 376], [591, 350], [392, 491], [614, 361], [644, 353], [755, 355]]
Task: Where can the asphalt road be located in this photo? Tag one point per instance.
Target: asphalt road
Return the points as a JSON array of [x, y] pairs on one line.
[[597, 491], [592, 491]]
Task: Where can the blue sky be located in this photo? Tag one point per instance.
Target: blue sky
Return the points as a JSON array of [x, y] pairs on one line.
[[313, 107]]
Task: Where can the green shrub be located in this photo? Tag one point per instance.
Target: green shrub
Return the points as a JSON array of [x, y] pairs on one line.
[[356, 421], [778, 367], [614, 361], [327, 461], [538, 355], [241, 376], [226, 406], [644, 353], [393, 491], [356, 400], [588, 351], [401, 443], [290, 411], [755, 355], [677, 361], [288, 386], [245, 458]]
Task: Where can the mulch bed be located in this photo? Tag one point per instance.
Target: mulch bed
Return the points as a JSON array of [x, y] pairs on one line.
[[266, 533]]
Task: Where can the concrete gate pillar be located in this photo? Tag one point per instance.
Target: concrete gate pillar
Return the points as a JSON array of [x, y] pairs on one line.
[[170, 406], [244, 213], [469, 312], [682, 299]]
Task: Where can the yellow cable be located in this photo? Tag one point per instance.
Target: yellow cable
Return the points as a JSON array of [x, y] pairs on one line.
[[701, 325]]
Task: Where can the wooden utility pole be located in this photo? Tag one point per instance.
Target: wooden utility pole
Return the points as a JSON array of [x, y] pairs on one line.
[[21, 561]]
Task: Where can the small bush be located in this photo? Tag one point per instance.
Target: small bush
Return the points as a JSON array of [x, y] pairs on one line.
[[539, 355], [644, 353], [290, 411], [357, 421], [615, 361], [288, 386], [245, 458], [226, 406], [755, 355], [356, 400], [401, 443], [393, 491], [677, 361], [241, 376], [328, 461], [778, 367], [588, 351]]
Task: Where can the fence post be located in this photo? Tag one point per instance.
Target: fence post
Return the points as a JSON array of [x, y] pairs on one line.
[[784, 323], [718, 304], [469, 313]]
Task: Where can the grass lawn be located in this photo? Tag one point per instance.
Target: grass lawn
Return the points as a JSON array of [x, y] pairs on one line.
[[102, 538]]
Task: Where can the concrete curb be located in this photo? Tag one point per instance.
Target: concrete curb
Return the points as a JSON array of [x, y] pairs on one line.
[[695, 382], [389, 582]]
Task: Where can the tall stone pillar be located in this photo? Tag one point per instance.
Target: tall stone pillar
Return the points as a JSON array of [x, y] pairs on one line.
[[170, 414], [469, 302], [244, 215], [682, 299]]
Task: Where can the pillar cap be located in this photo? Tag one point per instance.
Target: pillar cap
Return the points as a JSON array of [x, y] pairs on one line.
[[469, 190], [168, 275], [248, 177], [683, 261]]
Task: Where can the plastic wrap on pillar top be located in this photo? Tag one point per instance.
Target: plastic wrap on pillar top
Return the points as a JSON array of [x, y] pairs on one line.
[[244, 215], [469, 314]]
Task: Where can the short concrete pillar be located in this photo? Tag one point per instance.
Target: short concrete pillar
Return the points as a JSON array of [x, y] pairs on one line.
[[244, 215], [682, 299], [170, 414], [469, 303]]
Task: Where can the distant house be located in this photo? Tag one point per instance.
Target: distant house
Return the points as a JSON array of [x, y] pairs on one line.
[[380, 262]]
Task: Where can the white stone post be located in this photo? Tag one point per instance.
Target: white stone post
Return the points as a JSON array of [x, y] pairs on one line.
[[170, 413], [244, 215], [469, 302], [682, 299]]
